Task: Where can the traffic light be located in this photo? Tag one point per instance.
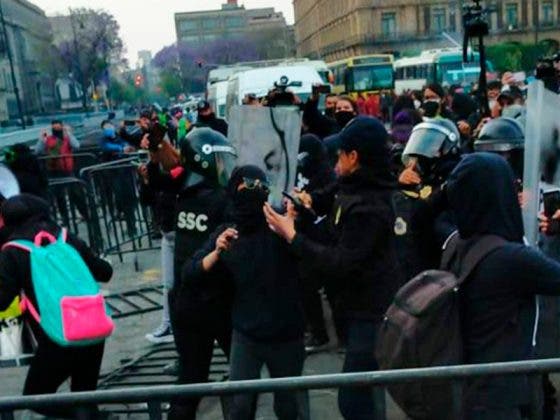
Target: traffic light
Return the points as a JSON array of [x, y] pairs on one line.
[[138, 80]]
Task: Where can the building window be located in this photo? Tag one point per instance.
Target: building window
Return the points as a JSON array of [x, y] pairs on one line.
[[512, 17], [210, 24], [191, 39], [388, 24], [438, 19], [234, 22], [547, 13], [188, 25]]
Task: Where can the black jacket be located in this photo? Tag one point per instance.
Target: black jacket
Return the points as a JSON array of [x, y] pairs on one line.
[[216, 124], [200, 210], [317, 123], [26, 216], [267, 305], [498, 299], [360, 256], [161, 191]]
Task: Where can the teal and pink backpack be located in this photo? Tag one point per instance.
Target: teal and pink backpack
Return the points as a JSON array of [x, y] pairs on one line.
[[72, 311]]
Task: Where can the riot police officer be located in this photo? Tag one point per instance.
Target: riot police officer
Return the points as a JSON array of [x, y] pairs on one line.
[[504, 136], [429, 157], [201, 314]]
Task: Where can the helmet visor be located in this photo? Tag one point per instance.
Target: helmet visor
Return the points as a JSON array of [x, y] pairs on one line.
[[226, 161], [423, 142]]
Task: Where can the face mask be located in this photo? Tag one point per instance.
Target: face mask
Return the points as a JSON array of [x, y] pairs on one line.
[[109, 132], [343, 117], [58, 133], [248, 208], [431, 108], [206, 118], [329, 112], [492, 103]]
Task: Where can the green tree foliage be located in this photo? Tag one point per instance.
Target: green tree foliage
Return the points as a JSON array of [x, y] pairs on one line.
[[519, 57]]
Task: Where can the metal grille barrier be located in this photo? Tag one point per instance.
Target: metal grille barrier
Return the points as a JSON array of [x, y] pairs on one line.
[[378, 381], [51, 164], [125, 225]]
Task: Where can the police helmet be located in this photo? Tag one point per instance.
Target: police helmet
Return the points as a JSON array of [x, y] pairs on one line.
[[207, 155], [432, 139], [500, 135]]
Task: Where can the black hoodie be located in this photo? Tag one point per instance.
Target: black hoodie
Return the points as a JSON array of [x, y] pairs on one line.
[[26, 215], [498, 300]]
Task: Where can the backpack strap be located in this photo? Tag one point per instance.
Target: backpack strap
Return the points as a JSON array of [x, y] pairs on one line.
[[63, 235], [27, 305], [476, 252], [26, 246], [38, 241]]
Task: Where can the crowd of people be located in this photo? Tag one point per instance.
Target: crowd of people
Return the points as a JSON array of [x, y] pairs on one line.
[[373, 207]]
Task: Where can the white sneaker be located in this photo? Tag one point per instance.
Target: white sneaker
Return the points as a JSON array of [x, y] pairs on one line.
[[160, 335]]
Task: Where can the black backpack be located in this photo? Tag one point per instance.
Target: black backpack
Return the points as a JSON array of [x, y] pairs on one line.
[[422, 328]]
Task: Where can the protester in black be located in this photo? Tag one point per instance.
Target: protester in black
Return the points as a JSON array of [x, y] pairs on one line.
[[321, 125], [207, 118], [31, 176], [360, 255], [314, 173], [201, 313], [26, 215], [267, 312], [498, 301]]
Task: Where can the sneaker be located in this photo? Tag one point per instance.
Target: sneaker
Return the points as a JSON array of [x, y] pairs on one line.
[[162, 334], [316, 345]]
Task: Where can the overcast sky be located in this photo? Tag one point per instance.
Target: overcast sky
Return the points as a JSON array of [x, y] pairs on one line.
[[149, 24]]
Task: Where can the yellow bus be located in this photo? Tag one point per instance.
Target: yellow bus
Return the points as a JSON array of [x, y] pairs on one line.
[[363, 74]]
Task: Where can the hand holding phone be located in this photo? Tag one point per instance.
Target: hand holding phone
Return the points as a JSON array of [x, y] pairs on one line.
[[298, 204]]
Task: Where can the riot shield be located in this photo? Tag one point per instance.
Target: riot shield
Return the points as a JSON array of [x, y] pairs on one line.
[[8, 183], [542, 152], [268, 138]]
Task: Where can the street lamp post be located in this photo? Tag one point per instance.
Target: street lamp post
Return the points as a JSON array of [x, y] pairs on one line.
[[79, 62], [11, 61]]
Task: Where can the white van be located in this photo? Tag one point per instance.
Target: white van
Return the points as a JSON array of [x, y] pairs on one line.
[[217, 95], [260, 81]]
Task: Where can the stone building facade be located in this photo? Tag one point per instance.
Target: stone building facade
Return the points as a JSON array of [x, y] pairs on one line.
[[334, 29]]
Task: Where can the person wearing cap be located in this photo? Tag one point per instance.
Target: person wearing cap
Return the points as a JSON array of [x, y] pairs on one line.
[[207, 118], [360, 255]]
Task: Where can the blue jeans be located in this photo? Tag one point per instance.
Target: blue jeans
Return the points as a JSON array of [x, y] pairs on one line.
[[282, 360], [357, 403], [167, 271]]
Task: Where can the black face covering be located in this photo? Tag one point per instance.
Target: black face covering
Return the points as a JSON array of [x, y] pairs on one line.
[[248, 209], [58, 133], [206, 118], [344, 117], [329, 112], [430, 108]]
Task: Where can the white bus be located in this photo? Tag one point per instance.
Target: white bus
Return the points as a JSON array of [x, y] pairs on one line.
[[261, 80], [444, 66], [217, 95]]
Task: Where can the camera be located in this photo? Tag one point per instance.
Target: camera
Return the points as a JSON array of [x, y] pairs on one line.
[[547, 72], [279, 95]]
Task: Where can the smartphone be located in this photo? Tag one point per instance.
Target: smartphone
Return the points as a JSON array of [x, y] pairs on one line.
[[551, 200], [519, 76], [300, 208], [321, 89]]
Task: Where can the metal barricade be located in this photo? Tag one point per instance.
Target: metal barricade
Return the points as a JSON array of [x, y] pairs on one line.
[[377, 380], [125, 225], [74, 207], [67, 165]]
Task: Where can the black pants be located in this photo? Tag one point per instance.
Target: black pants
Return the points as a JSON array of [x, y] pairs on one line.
[[282, 360], [195, 345], [313, 307], [53, 364], [358, 403]]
